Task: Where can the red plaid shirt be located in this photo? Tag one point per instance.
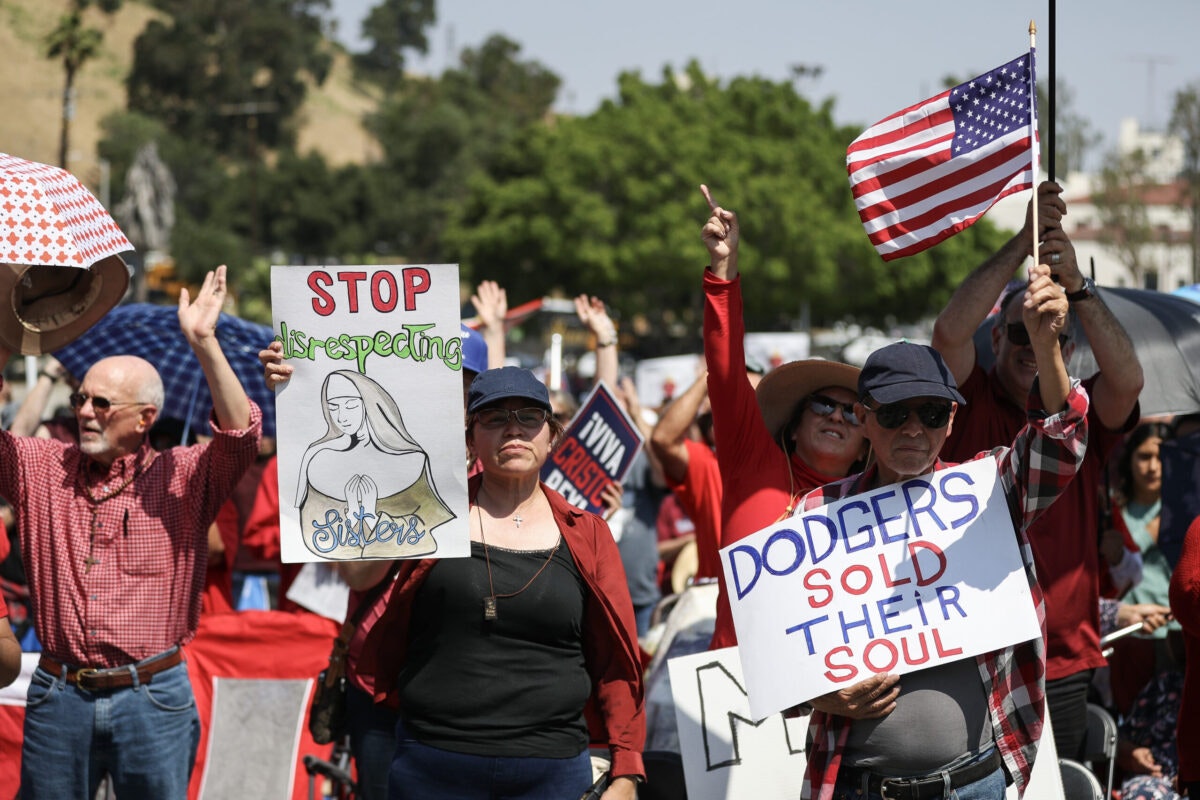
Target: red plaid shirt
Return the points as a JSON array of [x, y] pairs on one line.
[[119, 580], [1034, 471]]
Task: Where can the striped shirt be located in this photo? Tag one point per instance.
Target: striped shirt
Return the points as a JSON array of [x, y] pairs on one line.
[[1033, 472], [116, 557]]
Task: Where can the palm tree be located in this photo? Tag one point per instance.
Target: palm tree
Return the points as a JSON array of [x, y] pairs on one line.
[[74, 44]]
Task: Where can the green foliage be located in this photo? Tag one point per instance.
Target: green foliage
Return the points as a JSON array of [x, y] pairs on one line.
[[229, 74], [74, 45], [437, 135], [609, 204], [393, 27]]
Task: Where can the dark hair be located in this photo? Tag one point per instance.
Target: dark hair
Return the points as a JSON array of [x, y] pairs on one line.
[[1147, 430]]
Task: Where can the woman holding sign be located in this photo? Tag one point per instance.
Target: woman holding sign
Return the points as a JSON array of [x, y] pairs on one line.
[[493, 659]]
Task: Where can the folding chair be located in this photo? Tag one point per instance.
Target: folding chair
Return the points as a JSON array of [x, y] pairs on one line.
[[1100, 743], [1079, 782]]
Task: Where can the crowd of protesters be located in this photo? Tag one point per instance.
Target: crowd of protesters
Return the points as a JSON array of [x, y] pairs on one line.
[[732, 454]]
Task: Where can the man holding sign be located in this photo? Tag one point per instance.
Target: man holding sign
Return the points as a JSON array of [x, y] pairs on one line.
[[977, 721]]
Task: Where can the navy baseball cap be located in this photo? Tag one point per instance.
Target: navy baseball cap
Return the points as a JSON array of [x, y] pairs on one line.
[[904, 370], [495, 385], [474, 350]]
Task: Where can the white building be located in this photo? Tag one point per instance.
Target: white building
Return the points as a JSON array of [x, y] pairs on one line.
[[1167, 263]]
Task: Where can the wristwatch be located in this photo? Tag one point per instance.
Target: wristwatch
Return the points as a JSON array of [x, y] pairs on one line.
[[1085, 292]]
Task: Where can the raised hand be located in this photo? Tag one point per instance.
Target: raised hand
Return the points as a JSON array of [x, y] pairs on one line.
[[275, 372], [491, 304], [1045, 307], [720, 235], [198, 319]]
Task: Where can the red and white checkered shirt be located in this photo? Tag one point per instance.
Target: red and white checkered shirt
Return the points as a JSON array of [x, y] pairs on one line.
[[1034, 471], [119, 580]]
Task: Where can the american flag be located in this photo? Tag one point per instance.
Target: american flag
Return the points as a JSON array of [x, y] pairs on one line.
[[930, 170]]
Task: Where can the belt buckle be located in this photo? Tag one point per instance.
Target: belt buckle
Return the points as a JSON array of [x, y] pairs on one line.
[[899, 783], [84, 676]]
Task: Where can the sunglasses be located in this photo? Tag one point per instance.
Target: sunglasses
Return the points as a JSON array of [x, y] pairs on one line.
[[78, 400], [823, 406], [497, 418], [893, 415], [1018, 334]]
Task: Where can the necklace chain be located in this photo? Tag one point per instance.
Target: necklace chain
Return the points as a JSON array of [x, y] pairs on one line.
[[490, 612]]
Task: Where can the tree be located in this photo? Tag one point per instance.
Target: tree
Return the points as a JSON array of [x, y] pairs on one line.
[[1124, 220], [439, 135], [393, 27], [74, 44], [609, 204], [232, 73], [1185, 123]]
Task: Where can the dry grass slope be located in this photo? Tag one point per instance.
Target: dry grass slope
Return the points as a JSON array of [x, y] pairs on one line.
[[31, 91]]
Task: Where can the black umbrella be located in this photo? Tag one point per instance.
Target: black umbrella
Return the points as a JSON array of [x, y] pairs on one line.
[[1165, 330]]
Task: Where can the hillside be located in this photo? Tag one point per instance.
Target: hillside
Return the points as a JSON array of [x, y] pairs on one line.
[[31, 87]]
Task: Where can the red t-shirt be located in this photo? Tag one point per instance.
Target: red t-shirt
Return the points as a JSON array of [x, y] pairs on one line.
[[1065, 538], [699, 494]]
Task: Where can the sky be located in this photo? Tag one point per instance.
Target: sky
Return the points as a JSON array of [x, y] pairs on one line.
[[1121, 59]]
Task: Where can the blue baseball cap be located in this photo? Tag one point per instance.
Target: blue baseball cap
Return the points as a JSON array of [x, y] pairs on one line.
[[495, 385], [474, 350], [904, 370]]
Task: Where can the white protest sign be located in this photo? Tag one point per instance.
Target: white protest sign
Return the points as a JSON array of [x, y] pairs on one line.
[[894, 580], [726, 754], [372, 457]]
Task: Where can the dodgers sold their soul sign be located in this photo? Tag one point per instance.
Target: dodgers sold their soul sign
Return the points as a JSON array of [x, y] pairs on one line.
[[597, 449], [898, 579]]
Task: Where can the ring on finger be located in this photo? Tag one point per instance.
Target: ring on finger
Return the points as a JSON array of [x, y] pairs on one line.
[[1056, 258]]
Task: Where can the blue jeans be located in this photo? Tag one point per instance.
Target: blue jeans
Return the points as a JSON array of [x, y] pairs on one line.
[[144, 736], [989, 787], [421, 772], [372, 731]]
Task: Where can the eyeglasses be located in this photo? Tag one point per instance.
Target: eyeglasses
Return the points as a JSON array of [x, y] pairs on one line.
[[823, 406], [893, 415], [497, 418], [1018, 334], [78, 400]]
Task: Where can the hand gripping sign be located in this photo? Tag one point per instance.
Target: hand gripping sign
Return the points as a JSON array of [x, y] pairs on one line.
[[894, 580]]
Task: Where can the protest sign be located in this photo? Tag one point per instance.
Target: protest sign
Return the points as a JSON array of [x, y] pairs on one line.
[[372, 456], [726, 753], [897, 579], [597, 449]]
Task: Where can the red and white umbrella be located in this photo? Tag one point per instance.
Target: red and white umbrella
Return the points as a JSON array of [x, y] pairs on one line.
[[47, 217]]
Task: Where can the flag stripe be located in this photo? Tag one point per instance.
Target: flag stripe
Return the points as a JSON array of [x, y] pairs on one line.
[[932, 169]]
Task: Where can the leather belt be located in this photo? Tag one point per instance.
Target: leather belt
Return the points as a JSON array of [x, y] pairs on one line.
[[922, 787], [92, 679]]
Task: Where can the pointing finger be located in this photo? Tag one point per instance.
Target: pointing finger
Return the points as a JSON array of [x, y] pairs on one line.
[[712, 204]]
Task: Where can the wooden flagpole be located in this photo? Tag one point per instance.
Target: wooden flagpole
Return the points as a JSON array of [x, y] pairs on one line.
[[1033, 126]]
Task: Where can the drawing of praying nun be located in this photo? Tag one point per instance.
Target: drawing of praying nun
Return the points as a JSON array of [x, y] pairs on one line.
[[365, 489]]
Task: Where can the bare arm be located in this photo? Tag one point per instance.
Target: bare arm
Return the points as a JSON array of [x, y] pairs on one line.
[[491, 304], [973, 299], [1044, 311], [1120, 378], [594, 316], [362, 575], [10, 654], [198, 321], [667, 440], [33, 407]]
